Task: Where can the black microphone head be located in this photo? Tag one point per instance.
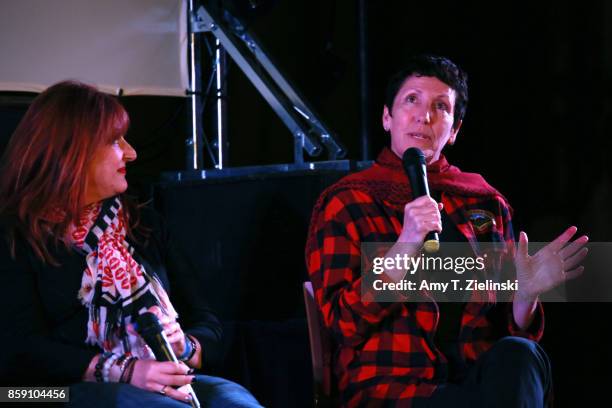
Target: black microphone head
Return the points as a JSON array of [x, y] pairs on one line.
[[413, 156], [148, 324], [413, 161]]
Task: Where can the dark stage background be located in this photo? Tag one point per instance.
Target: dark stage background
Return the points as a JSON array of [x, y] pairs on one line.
[[537, 128]]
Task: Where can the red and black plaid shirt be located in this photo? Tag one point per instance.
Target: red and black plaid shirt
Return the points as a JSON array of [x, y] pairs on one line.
[[385, 352]]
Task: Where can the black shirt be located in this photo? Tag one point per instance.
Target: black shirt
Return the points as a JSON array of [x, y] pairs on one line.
[[44, 325]]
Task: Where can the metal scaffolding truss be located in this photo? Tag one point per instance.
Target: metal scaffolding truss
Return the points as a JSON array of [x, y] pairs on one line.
[[309, 133]]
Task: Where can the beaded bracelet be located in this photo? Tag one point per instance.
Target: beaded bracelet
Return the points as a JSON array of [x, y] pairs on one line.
[[124, 372], [122, 362], [107, 365], [131, 371], [124, 368], [100, 364], [193, 346], [116, 368], [126, 376]]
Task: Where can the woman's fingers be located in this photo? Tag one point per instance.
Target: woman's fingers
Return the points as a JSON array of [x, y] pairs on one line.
[[422, 212], [421, 216], [425, 226], [172, 328], [163, 319], [574, 273], [422, 203], [562, 239], [414, 211], [178, 395], [156, 310], [523, 245], [574, 247], [170, 367], [174, 375], [174, 380], [161, 377], [175, 337], [435, 226], [574, 260], [422, 200]]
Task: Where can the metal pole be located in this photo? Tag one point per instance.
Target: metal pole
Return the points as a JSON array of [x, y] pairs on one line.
[[364, 91], [249, 57], [221, 88], [192, 144]]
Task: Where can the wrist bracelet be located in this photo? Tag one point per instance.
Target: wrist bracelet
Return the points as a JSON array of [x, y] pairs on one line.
[[99, 365], [188, 349], [107, 365], [121, 362], [129, 364], [193, 346], [129, 371], [116, 369], [125, 369]]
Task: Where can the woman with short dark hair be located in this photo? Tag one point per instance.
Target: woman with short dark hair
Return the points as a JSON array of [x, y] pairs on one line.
[[413, 350]]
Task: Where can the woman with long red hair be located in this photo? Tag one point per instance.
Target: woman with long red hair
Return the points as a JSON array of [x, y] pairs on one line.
[[80, 263]]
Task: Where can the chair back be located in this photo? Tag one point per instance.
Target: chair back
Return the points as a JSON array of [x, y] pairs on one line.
[[320, 348]]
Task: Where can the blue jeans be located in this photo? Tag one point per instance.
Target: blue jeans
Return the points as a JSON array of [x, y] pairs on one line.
[[213, 392], [515, 372]]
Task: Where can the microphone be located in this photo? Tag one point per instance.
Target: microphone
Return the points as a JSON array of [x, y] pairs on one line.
[[150, 329], [414, 164]]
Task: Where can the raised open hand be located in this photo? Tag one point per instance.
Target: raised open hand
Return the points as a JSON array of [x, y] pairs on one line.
[[550, 266]]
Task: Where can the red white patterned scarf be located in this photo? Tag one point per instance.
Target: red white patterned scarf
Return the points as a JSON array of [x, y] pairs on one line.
[[115, 287]]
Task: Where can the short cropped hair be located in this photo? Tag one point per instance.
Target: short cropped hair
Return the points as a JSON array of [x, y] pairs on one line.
[[435, 66]]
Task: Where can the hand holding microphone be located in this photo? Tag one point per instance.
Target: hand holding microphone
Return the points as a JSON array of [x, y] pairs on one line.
[[161, 377], [172, 330], [422, 215]]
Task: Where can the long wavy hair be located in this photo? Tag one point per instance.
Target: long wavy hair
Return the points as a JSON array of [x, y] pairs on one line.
[[44, 168]]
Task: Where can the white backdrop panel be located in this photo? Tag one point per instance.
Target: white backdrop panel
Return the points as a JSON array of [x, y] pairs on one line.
[[139, 46]]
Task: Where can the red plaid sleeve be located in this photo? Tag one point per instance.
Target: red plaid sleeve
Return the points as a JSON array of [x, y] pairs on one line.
[[334, 265], [536, 330]]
